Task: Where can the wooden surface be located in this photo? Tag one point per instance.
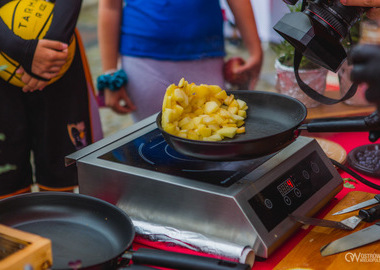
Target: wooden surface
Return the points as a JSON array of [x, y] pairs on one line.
[[306, 254], [332, 149], [37, 251], [337, 110]]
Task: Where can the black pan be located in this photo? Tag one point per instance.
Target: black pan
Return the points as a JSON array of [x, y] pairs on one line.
[[271, 124], [89, 233]]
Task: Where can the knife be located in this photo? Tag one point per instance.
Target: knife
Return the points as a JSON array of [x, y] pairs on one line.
[[367, 215], [359, 205], [350, 223], [320, 222], [357, 239]]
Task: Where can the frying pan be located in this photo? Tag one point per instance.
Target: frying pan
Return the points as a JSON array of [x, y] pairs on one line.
[[89, 233], [271, 124]]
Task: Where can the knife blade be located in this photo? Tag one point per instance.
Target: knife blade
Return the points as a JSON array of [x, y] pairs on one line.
[[360, 238], [376, 200], [320, 222], [350, 223]]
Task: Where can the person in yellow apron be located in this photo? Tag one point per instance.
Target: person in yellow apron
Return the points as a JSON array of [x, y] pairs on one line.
[[47, 110]]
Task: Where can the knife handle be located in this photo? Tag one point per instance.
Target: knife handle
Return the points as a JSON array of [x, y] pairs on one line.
[[371, 214]]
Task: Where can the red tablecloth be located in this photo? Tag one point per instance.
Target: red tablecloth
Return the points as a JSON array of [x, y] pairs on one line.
[[348, 141]]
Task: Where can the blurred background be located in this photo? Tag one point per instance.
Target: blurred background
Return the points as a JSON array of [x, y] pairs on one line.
[[267, 14]]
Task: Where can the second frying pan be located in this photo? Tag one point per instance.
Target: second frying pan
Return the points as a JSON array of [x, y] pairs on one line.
[[89, 233]]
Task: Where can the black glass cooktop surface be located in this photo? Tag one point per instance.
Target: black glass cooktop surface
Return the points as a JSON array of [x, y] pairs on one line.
[[151, 152]]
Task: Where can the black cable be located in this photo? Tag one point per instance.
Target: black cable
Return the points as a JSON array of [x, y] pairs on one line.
[[355, 175]]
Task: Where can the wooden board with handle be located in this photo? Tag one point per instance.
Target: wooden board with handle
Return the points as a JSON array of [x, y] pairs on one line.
[[338, 110], [20, 249], [306, 254]]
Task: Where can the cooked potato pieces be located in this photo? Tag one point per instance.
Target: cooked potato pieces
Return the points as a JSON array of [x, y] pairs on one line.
[[202, 112]]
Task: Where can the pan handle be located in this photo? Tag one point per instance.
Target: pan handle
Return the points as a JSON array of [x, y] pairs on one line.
[[352, 124], [137, 267], [182, 261]]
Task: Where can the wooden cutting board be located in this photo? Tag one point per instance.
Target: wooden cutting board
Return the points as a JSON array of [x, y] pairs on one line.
[[306, 254], [337, 110]]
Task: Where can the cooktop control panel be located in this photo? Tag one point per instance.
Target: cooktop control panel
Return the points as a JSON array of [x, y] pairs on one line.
[[290, 190]]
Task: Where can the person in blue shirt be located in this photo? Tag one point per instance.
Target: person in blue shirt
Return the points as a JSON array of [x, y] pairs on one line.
[[157, 42]]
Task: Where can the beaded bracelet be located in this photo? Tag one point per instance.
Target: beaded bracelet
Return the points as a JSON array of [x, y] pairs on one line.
[[112, 81]]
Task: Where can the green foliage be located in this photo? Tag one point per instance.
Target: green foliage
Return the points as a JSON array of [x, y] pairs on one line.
[[353, 38], [347, 183], [285, 55]]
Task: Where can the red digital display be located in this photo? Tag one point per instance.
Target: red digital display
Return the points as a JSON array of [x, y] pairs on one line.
[[289, 182], [285, 187]]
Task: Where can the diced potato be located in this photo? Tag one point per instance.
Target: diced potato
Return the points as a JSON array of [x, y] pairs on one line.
[[189, 126], [214, 89], [211, 107], [181, 97], [214, 137], [214, 127], [202, 112], [229, 132], [181, 82], [219, 120], [204, 131], [234, 103], [208, 120], [182, 134], [224, 113], [242, 113], [240, 123], [168, 96], [229, 99], [233, 110], [199, 111], [237, 117], [171, 128], [184, 121], [217, 101], [167, 116], [202, 91], [197, 120], [240, 130], [221, 95], [192, 135], [242, 104]]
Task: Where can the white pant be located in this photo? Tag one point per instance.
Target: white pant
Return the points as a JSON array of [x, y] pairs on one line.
[[148, 79]]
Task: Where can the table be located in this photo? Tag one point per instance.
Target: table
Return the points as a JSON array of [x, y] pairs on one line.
[[349, 141]]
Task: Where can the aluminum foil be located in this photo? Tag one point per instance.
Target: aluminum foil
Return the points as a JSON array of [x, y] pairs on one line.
[[194, 241], [286, 83]]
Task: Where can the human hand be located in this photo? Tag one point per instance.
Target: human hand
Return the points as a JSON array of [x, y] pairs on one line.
[[49, 57], [366, 59], [362, 3], [31, 83], [253, 67], [373, 13], [119, 101]]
